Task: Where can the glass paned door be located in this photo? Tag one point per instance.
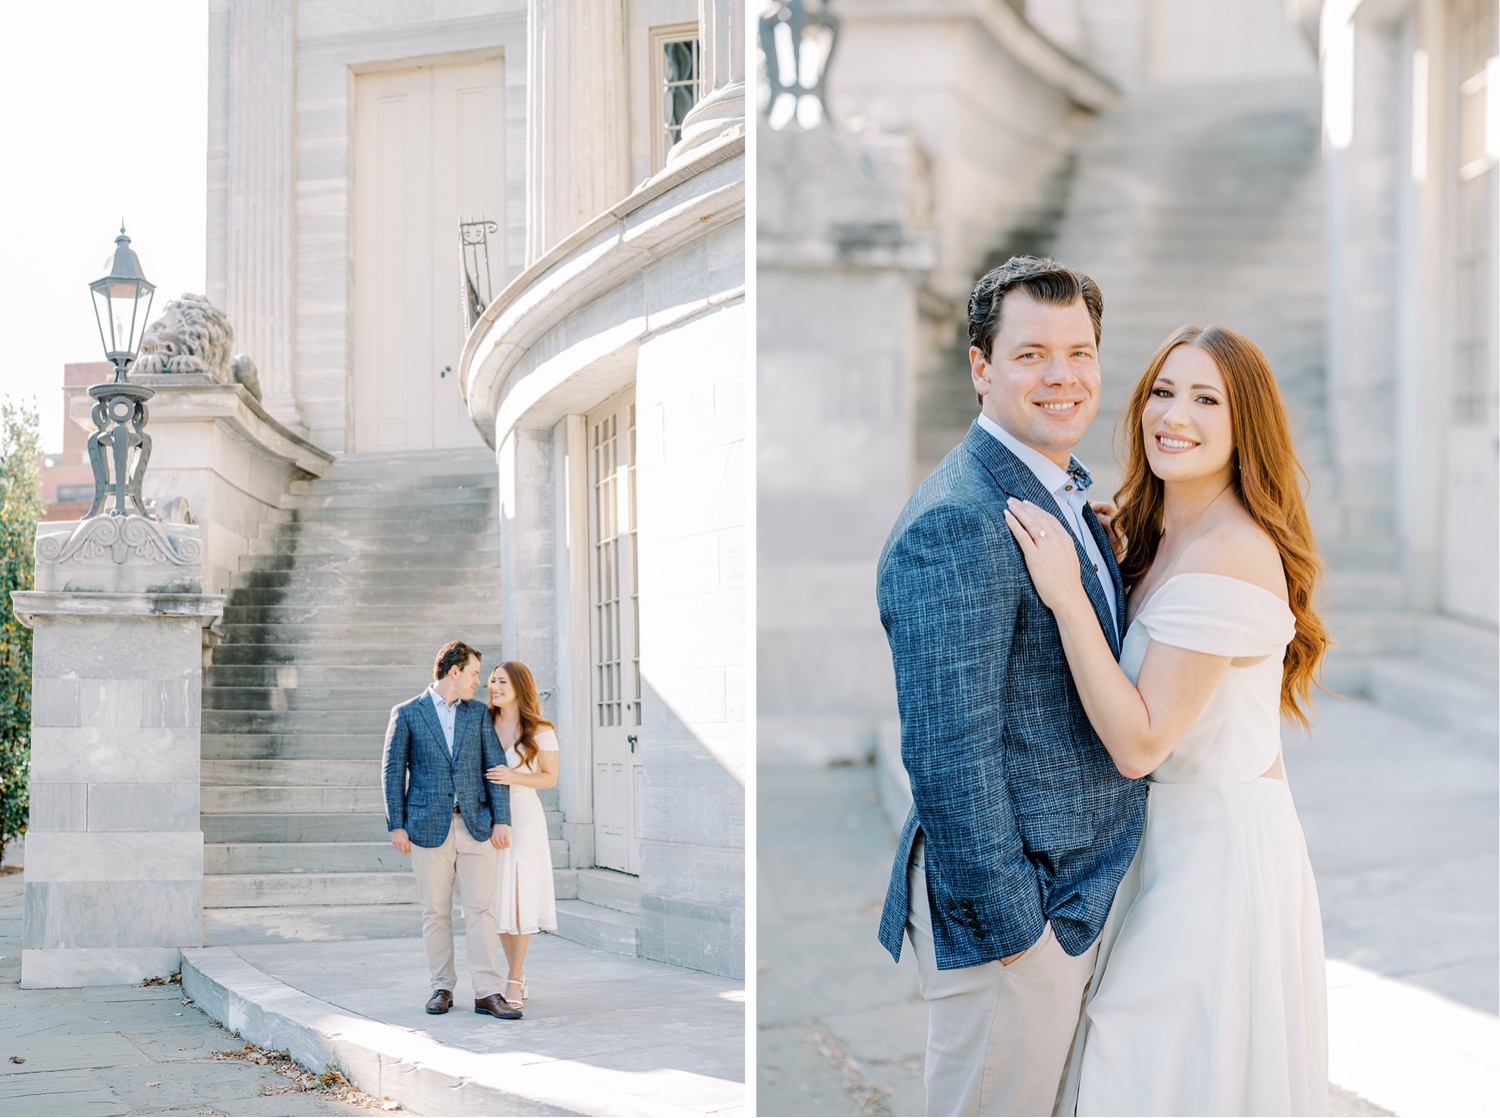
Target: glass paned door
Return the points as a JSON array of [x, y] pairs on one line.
[[614, 634]]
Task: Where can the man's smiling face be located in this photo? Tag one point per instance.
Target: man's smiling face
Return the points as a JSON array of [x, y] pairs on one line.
[[1041, 380]]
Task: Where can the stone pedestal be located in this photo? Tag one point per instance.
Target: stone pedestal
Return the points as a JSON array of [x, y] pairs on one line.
[[219, 448], [114, 849]]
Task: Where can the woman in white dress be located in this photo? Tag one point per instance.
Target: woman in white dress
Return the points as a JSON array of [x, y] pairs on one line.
[[525, 902], [1209, 994]]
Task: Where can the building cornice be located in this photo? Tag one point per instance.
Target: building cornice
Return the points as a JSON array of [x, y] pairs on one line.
[[675, 208], [1028, 46]]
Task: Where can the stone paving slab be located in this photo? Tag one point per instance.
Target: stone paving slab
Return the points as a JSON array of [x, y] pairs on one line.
[[603, 1033], [104, 1050], [1402, 831]]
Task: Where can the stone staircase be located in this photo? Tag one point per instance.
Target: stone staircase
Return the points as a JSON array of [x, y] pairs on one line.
[[1205, 205], [334, 619]]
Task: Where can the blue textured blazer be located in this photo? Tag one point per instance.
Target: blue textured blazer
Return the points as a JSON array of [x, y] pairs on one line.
[[1025, 817], [422, 782]]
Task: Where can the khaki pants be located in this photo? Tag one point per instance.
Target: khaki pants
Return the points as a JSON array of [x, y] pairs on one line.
[[997, 1036], [475, 865]]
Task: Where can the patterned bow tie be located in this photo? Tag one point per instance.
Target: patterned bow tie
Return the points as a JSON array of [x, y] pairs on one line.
[[1078, 475]]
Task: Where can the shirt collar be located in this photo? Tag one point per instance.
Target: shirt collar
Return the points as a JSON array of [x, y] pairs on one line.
[[1052, 476], [438, 698]]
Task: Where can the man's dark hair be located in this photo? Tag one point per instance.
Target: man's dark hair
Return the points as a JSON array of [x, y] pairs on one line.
[[1041, 277], [454, 654]]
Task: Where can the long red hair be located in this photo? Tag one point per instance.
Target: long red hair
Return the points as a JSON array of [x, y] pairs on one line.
[[530, 707], [1265, 475]]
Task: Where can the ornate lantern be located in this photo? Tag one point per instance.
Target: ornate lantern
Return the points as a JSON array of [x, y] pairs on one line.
[[796, 42], [120, 407]]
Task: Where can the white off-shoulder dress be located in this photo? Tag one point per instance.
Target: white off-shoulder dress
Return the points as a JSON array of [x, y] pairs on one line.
[[1209, 994], [525, 900]]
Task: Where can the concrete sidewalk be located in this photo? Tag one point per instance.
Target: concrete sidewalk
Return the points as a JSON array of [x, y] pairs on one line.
[[603, 1033], [1401, 827], [125, 1049]]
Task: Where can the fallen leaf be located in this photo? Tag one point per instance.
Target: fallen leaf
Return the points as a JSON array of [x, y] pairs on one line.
[[18, 1059], [156, 1084]]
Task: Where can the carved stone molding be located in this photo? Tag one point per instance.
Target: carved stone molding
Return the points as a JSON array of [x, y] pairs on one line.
[[121, 537]]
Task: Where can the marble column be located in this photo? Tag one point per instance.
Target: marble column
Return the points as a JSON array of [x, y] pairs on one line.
[[721, 109], [576, 160], [260, 284], [114, 847]]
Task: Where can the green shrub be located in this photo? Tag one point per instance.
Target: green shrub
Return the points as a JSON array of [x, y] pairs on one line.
[[20, 509]]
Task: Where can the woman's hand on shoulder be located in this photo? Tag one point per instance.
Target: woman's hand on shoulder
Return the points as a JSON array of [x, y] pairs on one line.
[[1105, 512], [1048, 549]]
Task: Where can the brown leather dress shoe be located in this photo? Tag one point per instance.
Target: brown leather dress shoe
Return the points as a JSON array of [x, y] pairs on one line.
[[440, 1002], [496, 1006]]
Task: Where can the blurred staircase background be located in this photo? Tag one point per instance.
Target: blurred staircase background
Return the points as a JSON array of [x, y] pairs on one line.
[[1205, 205], [334, 618]]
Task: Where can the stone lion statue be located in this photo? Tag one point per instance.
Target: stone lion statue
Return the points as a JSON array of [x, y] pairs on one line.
[[193, 336]]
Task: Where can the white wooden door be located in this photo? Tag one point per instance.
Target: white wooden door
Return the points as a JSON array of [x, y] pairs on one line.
[[428, 145], [614, 635]]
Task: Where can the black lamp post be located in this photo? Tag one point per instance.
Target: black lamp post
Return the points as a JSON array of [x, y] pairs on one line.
[[796, 42], [122, 303]]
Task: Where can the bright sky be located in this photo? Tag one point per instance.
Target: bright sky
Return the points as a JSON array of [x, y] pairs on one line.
[[105, 117]]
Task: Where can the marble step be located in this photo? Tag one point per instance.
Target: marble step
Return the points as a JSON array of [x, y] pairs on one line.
[[429, 573], [417, 659], [308, 698], [384, 677], [349, 615], [372, 722], [391, 559], [303, 857], [409, 600], [1372, 632], [1463, 648], [387, 524], [223, 927], [302, 543], [447, 490], [231, 746], [610, 889], [595, 926], [1432, 695], [364, 772], [338, 857], [314, 800], [411, 463], [363, 826], [417, 514], [386, 482], [276, 890]]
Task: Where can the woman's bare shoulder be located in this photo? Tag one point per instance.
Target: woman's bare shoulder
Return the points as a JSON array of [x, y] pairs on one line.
[[1237, 547]]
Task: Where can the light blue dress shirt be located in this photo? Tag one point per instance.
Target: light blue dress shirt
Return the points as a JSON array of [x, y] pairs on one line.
[[447, 715], [1069, 497]]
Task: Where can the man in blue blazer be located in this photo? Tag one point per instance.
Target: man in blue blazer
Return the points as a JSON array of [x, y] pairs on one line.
[[1021, 827], [441, 811]]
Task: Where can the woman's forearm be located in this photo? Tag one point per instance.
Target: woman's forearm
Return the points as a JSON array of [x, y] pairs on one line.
[[1114, 707], [532, 780]]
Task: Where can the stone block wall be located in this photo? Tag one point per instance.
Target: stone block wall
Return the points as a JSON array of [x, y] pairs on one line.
[[691, 486], [114, 851]]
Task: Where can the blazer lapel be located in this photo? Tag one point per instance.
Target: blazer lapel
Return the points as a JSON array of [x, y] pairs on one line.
[[460, 729], [1106, 549], [429, 712], [1015, 480]]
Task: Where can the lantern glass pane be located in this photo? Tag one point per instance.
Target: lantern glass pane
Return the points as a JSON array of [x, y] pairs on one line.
[[105, 314]]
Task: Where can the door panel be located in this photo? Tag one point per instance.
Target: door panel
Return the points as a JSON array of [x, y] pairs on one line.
[[613, 635], [428, 154]]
